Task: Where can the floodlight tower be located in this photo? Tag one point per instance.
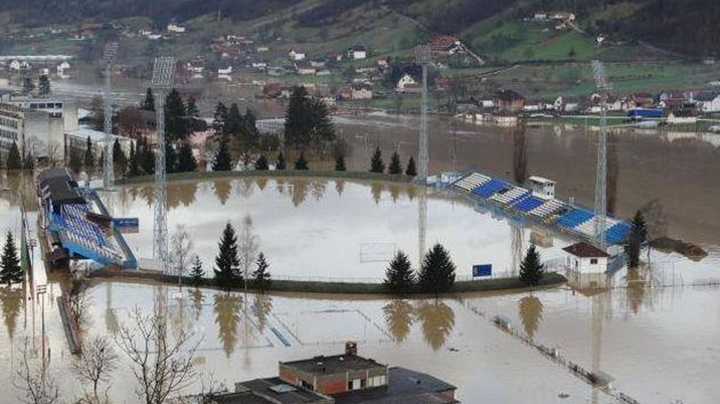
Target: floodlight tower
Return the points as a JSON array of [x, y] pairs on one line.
[[601, 170], [423, 57], [109, 58], [162, 81]]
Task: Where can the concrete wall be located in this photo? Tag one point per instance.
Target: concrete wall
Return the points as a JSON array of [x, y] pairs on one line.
[[585, 265]]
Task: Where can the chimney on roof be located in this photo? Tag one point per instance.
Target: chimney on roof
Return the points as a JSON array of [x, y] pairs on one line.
[[351, 348]]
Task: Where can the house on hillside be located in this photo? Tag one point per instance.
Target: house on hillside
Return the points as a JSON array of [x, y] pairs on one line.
[[296, 56], [445, 45], [406, 84], [682, 117], [175, 29], [708, 101], [224, 72], [508, 100], [561, 15], [357, 52], [362, 91], [305, 68]]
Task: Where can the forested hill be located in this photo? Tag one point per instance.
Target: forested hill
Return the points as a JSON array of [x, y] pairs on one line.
[[691, 27]]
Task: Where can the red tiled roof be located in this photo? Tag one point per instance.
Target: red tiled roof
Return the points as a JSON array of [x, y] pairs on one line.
[[585, 250]]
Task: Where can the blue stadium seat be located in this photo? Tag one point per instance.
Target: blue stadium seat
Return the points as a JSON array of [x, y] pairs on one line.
[[528, 203], [575, 217], [488, 189], [617, 233]]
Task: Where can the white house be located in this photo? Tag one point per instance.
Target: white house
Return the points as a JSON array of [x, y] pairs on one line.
[[682, 117], [586, 259], [62, 67], [357, 52], [708, 101], [542, 187], [296, 56], [15, 65], [362, 92], [225, 72], [305, 69], [174, 28], [405, 82]]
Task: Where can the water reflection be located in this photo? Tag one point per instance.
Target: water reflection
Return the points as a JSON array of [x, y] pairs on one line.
[[11, 300], [299, 191], [399, 318], [317, 188], [261, 307], [222, 190], [438, 320], [339, 187], [198, 300], [228, 308], [531, 311], [394, 192], [635, 291], [181, 193], [376, 189], [262, 183]]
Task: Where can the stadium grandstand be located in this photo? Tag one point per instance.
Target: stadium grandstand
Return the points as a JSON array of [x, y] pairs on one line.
[[78, 223], [548, 211]]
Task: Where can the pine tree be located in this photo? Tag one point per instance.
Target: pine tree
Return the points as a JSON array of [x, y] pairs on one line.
[[411, 170], [89, 161], [340, 163], [281, 164], [171, 165], [220, 117], [191, 109], [176, 127], [119, 159], [29, 162], [148, 103], [222, 161], [227, 262], [635, 239], [376, 163], [28, 86], [196, 272], [437, 273], [10, 270], [14, 162], [395, 165], [234, 121], [250, 131], [44, 86], [75, 160], [186, 161], [261, 276], [146, 158], [262, 163], [133, 169], [399, 277], [301, 163], [531, 268]]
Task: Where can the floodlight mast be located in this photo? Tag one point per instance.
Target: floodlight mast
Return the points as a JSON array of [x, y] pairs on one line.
[[109, 58], [600, 225], [423, 57], [162, 81]]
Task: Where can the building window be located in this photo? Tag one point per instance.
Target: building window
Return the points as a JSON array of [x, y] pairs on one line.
[[593, 261]]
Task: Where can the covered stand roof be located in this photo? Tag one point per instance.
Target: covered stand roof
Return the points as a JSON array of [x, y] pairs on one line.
[[585, 250]]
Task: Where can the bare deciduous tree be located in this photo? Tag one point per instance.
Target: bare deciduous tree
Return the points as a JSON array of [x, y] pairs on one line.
[[162, 365], [54, 153], [248, 246], [95, 366], [37, 384], [181, 246]]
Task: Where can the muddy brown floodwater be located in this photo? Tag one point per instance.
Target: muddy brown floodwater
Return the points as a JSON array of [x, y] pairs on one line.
[[645, 330]]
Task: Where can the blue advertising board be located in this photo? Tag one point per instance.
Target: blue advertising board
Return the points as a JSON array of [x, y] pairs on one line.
[[126, 222], [482, 270]]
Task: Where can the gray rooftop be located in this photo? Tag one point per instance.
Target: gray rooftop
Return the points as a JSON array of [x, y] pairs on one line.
[[334, 364], [277, 391], [405, 387]]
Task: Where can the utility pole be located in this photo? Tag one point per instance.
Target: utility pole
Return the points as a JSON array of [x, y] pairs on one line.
[[601, 169], [109, 58], [162, 81]]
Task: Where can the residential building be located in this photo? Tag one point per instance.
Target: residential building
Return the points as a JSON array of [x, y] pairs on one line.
[[585, 258], [445, 44], [708, 101], [296, 56], [508, 100], [305, 68], [362, 92], [56, 107], [36, 132], [408, 84], [682, 117], [357, 52], [176, 29], [77, 139]]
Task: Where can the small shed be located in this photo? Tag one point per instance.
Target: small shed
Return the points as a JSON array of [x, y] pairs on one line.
[[586, 259], [542, 187]]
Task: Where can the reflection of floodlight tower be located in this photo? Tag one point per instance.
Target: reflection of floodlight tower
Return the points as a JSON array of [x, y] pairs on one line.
[[109, 57], [601, 170], [162, 81], [423, 57]]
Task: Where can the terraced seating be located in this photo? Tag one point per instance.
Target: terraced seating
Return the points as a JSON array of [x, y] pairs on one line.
[[548, 208], [575, 218], [489, 188], [83, 233], [511, 195], [470, 182], [587, 228], [618, 232], [528, 203]]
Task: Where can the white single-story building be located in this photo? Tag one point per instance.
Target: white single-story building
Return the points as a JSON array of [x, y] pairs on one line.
[[542, 187], [682, 117], [586, 259]]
